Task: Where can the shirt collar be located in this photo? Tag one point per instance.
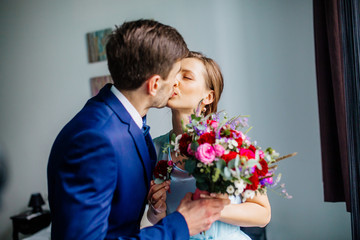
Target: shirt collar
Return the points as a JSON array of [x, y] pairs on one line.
[[135, 115]]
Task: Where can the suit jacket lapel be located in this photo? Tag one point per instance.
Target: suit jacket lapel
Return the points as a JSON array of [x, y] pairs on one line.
[[134, 131]]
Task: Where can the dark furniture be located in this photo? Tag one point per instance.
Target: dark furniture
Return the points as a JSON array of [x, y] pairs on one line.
[[29, 222], [33, 220]]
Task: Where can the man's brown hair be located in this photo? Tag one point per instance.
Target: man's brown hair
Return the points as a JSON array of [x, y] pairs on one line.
[[139, 49]]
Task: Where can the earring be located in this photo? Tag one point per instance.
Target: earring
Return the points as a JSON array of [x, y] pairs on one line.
[[203, 110]]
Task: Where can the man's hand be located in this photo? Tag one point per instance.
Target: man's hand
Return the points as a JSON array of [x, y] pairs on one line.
[[157, 197], [200, 214]]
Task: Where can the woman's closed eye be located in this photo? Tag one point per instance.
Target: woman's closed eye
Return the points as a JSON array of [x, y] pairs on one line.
[[188, 77], [187, 74]]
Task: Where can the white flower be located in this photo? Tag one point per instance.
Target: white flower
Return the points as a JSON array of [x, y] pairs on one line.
[[275, 154], [248, 194], [176, 143], [247, 142], [177, 139], [240, 185], [199, 165], [230, 189], [232, 143]]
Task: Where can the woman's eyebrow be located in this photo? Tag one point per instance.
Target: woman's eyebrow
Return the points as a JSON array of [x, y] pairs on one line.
[[187, 70]]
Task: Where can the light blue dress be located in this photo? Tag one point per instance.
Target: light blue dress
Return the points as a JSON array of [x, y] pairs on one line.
[[182, 183]]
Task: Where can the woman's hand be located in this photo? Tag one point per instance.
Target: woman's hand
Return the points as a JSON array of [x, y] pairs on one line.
[[157, 201]]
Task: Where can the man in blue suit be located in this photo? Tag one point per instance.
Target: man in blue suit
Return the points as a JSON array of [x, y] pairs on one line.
[[101, 163]]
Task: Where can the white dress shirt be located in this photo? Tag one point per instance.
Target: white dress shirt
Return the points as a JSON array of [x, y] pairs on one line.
[[135, 115]]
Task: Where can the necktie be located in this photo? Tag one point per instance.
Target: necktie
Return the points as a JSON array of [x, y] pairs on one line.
[[145, 127]]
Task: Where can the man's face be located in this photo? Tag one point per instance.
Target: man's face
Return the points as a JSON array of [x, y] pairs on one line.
[[167, 86]]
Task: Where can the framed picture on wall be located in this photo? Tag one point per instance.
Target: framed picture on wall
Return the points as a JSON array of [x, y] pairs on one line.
[[96, 45], [96, 83]]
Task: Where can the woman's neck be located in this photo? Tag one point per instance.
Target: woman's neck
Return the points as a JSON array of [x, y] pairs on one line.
[[177, 118]]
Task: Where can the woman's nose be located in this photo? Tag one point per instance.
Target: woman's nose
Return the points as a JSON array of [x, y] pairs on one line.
[[177, 81]]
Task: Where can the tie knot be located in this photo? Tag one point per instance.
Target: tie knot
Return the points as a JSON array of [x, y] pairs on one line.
[[145, 129]]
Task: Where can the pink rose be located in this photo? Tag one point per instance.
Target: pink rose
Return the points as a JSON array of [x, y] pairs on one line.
[[261, 154], [269, 180], [219, 150], [214, 124], [205, 153], [247, 153]]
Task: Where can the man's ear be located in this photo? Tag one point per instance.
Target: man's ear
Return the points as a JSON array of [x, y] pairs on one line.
[[209, 98], [153, 84]]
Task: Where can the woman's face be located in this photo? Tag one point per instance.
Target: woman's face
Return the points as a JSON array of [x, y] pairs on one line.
[[191, 87]]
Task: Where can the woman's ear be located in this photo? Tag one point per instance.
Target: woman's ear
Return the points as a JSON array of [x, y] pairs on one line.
[[209, 98], [153, 85]]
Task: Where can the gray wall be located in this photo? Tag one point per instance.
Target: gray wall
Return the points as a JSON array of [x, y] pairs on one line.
[[266, 52]]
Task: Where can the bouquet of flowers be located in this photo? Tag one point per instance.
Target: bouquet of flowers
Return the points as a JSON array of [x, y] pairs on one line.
[[222, 159]]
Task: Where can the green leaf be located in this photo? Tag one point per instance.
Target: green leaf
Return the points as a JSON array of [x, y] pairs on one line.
[[200, 177], [165, 149], [173, 137], [220, 164], [248, 130], [227, 173], [247, 181], [202, 186], [190, 165], [253, 162], [227, 132], [194, 146], [231, 164]]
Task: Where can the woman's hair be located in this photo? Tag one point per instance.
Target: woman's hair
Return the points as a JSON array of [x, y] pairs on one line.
[[213, 79], [139, 49]]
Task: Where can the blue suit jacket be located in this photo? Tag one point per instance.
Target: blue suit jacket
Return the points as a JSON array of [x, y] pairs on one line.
[[98, 177]]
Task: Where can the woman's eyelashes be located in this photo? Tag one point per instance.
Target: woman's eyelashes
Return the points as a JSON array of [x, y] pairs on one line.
[[187, 77]]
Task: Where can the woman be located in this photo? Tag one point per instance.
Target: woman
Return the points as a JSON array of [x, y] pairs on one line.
[[201, 81]]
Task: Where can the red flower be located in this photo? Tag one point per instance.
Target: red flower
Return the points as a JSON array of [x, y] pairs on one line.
[[161, 169], [264, 168], [252, 148], [239, 141], [255, 182], [228, 157], [208, 137], [184, 142]]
